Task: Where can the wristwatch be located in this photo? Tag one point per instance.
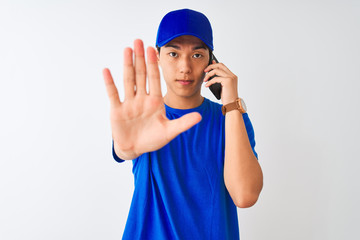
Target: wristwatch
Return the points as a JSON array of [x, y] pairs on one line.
[[238, 104]]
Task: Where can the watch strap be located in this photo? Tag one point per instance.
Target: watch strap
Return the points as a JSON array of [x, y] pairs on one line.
[[236, 105]]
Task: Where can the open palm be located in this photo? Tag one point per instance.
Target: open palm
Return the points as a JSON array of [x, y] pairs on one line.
[[139, 123]]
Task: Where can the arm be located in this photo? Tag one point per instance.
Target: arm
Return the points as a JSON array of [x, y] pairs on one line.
[[242, 173]]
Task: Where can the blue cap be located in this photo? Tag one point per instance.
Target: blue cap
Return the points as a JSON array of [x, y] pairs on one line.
[[184, 22]]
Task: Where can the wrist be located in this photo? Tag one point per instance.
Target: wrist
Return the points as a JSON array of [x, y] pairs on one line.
[[230, 99]]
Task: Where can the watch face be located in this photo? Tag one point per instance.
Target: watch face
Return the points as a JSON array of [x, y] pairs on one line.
[[243, 104]]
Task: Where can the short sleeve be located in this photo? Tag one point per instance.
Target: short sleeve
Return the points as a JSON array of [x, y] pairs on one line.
[[114, 154], [250, 132]]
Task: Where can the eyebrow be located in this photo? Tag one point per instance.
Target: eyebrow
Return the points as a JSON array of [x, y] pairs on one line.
[[178, 47]]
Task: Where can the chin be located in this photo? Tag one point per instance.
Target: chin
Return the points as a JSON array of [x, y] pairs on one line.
[[188, 95]]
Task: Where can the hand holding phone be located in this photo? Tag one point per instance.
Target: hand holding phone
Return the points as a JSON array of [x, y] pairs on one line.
[[216, 87]]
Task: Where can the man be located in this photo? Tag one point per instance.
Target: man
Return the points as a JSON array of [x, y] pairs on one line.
[[192, 165]]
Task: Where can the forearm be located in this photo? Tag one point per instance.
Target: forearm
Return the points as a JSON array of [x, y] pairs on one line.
[[242, 172]]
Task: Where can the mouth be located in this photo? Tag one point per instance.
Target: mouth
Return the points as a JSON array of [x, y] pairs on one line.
[[184, 82]]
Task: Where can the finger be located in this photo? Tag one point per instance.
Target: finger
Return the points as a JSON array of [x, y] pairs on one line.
[[177, 126], [214, 80], [216, 66], [111, 89], [129, 74], [212, 66], [209, 75], [212, 73], [153, 73], [140, 67], [223, 67]]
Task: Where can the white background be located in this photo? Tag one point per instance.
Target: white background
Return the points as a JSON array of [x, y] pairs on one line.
[[298, 64]]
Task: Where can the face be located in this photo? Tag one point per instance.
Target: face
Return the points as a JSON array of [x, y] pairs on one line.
[[183, 61]]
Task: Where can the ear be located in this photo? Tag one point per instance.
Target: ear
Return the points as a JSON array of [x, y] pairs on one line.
[[158, 55]]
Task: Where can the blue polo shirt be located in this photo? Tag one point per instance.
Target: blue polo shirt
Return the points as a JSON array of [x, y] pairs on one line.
[[179, 189]]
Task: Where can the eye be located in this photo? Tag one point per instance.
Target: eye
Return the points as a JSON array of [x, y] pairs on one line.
[[197, 55], [172, 54]]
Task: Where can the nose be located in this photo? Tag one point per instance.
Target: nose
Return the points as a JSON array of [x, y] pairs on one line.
[[185, 65]]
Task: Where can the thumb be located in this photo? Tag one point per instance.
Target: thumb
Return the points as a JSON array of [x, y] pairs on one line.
[[177, 126]]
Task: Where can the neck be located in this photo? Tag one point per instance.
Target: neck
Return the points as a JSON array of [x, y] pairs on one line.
[[183, 102]]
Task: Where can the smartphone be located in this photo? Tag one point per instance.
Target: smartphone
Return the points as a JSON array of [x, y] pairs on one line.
[[216, 87]]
